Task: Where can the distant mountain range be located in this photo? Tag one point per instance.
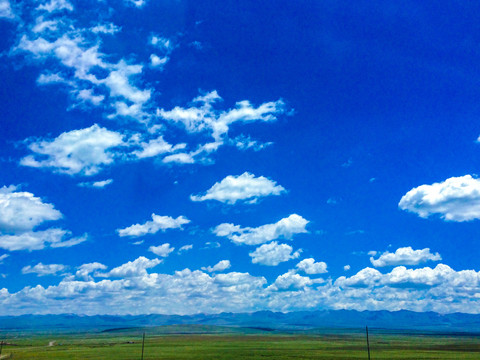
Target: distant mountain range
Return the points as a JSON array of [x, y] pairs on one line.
[[261, 320]]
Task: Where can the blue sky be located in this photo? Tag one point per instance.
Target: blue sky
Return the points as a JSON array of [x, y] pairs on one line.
[[180, 157]]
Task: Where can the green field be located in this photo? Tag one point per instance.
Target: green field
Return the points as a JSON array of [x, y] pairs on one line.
[[227, 343]]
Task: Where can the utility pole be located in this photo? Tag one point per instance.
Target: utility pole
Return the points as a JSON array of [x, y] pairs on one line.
[[143, 344], [368, 343]]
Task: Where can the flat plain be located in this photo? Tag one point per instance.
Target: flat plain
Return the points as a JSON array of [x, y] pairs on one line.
[[187, 342]]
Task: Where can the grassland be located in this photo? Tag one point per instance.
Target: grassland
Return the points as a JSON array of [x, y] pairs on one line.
[[187, 342]]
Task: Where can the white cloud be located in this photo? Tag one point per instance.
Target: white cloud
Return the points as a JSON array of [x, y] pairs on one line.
[[156, 147], [292, 281], [109, 28], [244, 142], [273, 254], [137, 3], [185, 248], [162, 250], [133, 268], [118, 81], [38, 240], [158, 62], [220, 266], [87, 95], [3, 257], [242, 187], [180, 158], [69, 243], [203, 118], [309, 266], [93, 77], [285, 228], [346, 268], [85, 270], [22, 211], [151, 227], [134, 290], [6, 10], [405, 256], [83, 152], [455, 199], [56, 78], [400, 276], [96, 184], [44, 269], [161, 43], [56, 5]]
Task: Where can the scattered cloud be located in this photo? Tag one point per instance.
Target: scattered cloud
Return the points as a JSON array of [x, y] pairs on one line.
[[242, 187], [405, 256], [158, 223], [273, 254], [44, 269], [202, 117], [108, 28], [332, 201], [346, 268], [6, 10], [3, 257], [162, 250], [83, 152], [245, 142], [285, 228], [455, 199], [96, 184], [157, 61], [309, 266], [56, 5], [185, 248], [155, 147], [218, 267]]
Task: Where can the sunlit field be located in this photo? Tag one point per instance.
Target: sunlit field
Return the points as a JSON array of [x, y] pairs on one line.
[[203, 343]]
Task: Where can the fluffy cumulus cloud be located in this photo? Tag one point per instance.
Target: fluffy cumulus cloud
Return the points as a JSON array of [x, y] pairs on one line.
[[242, 187], [273, 254], [455, 199], [284, 228], [309, 266], [84, 271], [162, 250], [220, 266], [83, 152], [44, 269], [405, 256], [20, 213], [158, 223], [92, 290], [138, 267], [292, 281]]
